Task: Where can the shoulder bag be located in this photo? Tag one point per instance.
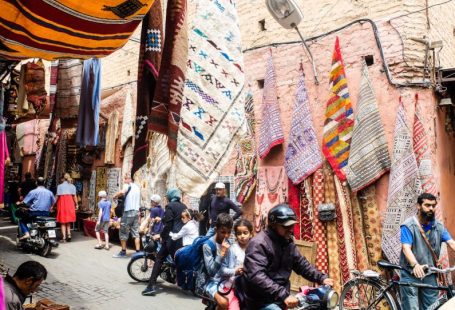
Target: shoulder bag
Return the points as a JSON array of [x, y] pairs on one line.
[[120, 208]]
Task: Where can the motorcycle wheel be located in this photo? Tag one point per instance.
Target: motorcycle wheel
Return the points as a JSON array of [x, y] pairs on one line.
[[46, 250], [138, 270]]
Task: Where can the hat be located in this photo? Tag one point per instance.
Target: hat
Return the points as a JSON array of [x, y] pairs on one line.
[[102, 194], [155, 198], [220, 185]]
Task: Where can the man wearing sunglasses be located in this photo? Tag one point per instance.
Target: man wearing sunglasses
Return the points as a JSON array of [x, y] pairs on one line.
[[421, 239]]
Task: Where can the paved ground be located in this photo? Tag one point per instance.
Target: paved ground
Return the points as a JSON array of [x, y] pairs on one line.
[[89, 279]]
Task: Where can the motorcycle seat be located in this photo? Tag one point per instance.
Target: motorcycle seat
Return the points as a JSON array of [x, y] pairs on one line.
[[44, 219]]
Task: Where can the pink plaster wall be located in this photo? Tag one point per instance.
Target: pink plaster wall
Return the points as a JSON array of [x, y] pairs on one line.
[[356, 42]]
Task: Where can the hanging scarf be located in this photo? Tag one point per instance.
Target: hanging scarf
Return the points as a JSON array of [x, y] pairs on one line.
[[271, 131], [127, 131], [148, 68], [302, 155], [369, 157], [319, 235], [245, 175], [294, 204], [404, 187], [53, 83], [359, 234], [306, 211], [111, 138], [213, 113], [338, 118]]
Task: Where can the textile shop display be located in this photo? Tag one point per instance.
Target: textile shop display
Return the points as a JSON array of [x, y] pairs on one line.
[[245, 175], [53, 84], [319, 234], [271, 190], [111, 138], [369, 156], [404, 188], [303, 156], [270, 131], [30, 135], [4, 157], [359, 233], [22, 103], [294, 204], [306, 211], [148, 68], [339, 118], [127, 160], [35, 86], [66, 28], [69, 81], [164, 117], [213, 114], [89, 106]]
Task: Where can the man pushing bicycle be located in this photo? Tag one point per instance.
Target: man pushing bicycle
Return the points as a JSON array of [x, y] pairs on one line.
[[421, 239]]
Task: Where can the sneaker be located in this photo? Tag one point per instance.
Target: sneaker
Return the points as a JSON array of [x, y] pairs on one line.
[[121, 254], [149, 291]]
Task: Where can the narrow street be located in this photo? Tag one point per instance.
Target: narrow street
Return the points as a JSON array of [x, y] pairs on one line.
[[89, 279]]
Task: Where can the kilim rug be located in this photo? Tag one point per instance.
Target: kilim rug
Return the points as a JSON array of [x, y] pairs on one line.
[[359, 234], [369, 156], [303, 156], [347, 232], [333, 245], [372, 224], [338, 118], [245, 175], [69, 80], [319, 235], [213, 113], [306, 210], [164, 116], [271, 131], [404, 187], [148, 68], [67, 28], [294, 204], [111, 138], [271, 190]]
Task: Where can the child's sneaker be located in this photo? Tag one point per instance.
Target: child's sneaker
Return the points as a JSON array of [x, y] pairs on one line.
[[121, 254]]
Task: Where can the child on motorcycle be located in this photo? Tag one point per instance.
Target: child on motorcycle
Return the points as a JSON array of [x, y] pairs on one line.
[[233, 264], [190, 230]]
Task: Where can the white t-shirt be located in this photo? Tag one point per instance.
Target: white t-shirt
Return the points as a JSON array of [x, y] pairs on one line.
[[133, 199], [188, 233]]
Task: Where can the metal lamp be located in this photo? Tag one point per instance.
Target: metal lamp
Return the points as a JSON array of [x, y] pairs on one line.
[[288, 15]]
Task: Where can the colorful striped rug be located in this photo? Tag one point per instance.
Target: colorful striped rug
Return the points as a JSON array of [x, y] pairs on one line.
[[53, 29], [339, 119], [303, 156], [369, 156], [271, 131], [404, 187]]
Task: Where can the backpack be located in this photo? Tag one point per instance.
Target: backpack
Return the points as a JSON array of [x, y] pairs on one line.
[[121, 204], [191, 272]]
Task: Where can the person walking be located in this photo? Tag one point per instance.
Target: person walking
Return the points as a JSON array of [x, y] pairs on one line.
[[172, 223], [221, 204], [421, 239], [129, 222], [66, 206], [102, 224]]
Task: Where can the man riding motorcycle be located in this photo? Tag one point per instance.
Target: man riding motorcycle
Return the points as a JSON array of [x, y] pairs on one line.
[[270, 258], [40, 201]]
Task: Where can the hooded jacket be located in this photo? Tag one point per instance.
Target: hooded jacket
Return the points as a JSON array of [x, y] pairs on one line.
[[269, 261]]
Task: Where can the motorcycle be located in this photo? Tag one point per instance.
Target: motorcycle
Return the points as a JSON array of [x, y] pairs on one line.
[[42, 236], [141, 264], [323, 297]]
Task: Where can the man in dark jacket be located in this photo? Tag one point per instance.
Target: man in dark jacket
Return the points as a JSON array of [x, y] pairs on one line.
[[172, 223], [270, 258], [221, 204], [26, 280]]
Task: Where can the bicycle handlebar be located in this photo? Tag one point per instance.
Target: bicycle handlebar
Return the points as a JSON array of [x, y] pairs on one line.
[[438, 270]]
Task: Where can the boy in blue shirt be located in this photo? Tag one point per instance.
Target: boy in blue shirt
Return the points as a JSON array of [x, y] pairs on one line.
[[104, 217]]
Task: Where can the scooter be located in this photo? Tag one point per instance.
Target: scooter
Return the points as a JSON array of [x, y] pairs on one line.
[[323, 297], [42, 236], [141, 264]]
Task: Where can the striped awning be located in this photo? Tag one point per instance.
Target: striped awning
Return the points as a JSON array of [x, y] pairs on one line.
[[52, 29]]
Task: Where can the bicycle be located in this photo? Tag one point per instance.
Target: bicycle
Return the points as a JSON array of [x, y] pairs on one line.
[[369, 290]]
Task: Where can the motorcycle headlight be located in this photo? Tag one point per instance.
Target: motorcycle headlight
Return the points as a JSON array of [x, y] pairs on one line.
[[332, 299], [50, 224]]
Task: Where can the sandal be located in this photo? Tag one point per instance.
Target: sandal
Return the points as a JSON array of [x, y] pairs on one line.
[[68, 238], [99, 247], [107, 248]]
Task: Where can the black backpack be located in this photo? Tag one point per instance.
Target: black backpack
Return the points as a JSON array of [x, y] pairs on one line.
[[121, 204]]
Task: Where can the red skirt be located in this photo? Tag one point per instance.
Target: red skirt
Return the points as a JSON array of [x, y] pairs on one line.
[[66, 210]]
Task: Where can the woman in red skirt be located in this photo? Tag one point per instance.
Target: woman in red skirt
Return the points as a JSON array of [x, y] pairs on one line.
[[66, 206]]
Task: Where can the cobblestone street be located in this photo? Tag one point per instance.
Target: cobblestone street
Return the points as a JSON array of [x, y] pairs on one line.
[[89, 279]]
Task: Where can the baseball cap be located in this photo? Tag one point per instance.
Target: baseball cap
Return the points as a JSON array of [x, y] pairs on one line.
[[220, 185]]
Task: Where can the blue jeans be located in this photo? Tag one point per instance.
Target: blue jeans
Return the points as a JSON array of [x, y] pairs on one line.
[[271, 307], [413, 298], [32, 215]]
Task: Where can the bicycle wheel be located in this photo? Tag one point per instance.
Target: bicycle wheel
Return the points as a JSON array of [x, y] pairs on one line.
[[363, 294]]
